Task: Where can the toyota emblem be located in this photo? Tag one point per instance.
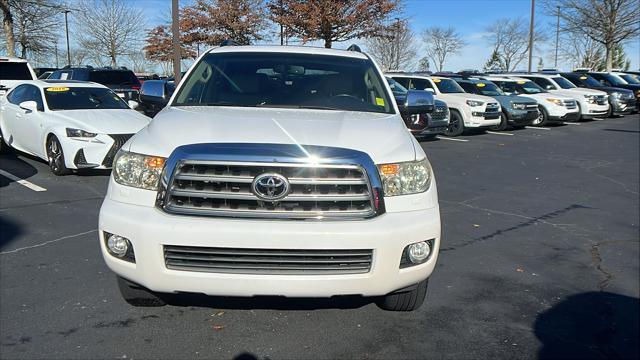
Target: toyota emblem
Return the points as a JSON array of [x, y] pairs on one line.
[[270, 186]]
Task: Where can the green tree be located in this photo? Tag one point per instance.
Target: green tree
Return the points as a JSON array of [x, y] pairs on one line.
[[495, 61]]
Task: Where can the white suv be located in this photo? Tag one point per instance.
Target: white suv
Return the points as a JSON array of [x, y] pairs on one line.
[[591, 103], [467, 110], [553, 107], [13, 71], [275, 171]]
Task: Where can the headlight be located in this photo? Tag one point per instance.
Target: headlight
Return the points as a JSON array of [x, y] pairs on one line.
[[79, 133], [591, 99], [555, 101], [137, 170], [405, 178], [616, 95], [474, 103], [518, 106]]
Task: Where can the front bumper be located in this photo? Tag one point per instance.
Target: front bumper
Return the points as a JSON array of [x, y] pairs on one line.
[[521, 117], [623, 107], [572, 116], [93, 153], [591, 111], [149, 229]]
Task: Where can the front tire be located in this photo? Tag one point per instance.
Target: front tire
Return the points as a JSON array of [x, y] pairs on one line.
[[456, 124], [138, 296], [503, 124], [542, 119], [405, 300], [55, 156]]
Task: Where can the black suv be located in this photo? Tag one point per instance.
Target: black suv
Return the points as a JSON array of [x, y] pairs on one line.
[[121, 80], [621, 101], [607, 79]]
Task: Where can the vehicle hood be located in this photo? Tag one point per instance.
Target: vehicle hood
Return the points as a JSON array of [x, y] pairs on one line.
[[462, 97], [610, 89], [108, 121], [585, 91], [384, 137], [506, 100], [633, 87], [542, 96]]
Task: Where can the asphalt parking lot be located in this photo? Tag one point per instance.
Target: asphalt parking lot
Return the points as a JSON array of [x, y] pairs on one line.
[[539, 259]]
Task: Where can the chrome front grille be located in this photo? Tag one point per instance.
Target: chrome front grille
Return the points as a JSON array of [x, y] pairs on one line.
[[492, 107], [219, 188], [570, 104], [439, 113], [267, 261]]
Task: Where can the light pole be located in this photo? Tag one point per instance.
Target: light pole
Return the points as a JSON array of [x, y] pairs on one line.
[[397, 43], [66, 27], [533, 10], [557, 38], [175, 32]]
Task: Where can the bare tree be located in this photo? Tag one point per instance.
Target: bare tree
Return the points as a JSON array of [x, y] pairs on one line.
[[608, 22], [441, 42], [581, 51], [109, 28], [396, 49], [79, 56], [36, 23], [138, 61], [7, 27], [510, 38]]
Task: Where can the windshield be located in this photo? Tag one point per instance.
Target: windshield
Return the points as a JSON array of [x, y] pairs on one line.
[[114, 77], [77, 98], [14, 71], [396, 88], [488, 89], [520, 87], [564, 83], [285, 81], [448, 86], [584, 80], [629, 79], [614, 80]]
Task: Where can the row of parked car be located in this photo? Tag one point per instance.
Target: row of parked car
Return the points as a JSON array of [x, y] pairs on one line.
[[462, 101]]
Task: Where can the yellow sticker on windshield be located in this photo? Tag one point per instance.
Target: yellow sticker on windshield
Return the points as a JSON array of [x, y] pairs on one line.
[[57, 89], [379, 101], [436, 80], [481, 85], [521, 82], [583, 78]]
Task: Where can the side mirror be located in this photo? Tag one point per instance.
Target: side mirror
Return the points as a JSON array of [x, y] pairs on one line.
[[133, 104], [155, 92], [417, 102], [30, 106]]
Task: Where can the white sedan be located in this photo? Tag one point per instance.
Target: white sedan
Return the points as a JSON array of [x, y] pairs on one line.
[[72, 125]]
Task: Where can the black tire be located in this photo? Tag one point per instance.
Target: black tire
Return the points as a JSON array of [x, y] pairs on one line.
[[137, 295], [456, 124], [581, 117], [55, 157], [503, 123], [429, 137], [609, 113], [405, 300], [542, 119], [3, 145]]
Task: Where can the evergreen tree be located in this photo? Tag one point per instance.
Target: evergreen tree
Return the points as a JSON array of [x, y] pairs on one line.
[[495, 62]]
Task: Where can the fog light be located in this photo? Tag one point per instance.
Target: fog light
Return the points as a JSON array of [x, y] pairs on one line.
[[118, 245], [419, 252]]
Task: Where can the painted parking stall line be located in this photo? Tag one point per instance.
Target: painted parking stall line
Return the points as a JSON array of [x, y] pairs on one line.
[[499, 133], [571, 123], [537, 128], [452, 139], [22, 182]]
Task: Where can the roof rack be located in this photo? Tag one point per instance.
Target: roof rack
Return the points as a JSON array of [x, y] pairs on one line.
[[354, 47], [228, 42]]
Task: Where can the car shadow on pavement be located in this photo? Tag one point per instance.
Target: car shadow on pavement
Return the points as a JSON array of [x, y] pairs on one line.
[[9, 231], [266, 302], [11, 163], [590, 325]]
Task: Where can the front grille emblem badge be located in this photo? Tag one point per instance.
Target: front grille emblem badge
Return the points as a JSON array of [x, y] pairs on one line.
[[270, 186]]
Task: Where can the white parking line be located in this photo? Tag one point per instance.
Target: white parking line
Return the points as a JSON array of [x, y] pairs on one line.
[[22, 182], [570, 123], [599, 119], [537, 128], [499, 133], [452, 139]]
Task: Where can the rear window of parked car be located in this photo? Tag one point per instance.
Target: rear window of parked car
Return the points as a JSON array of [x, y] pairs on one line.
[[114, 77], [14, 71]]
